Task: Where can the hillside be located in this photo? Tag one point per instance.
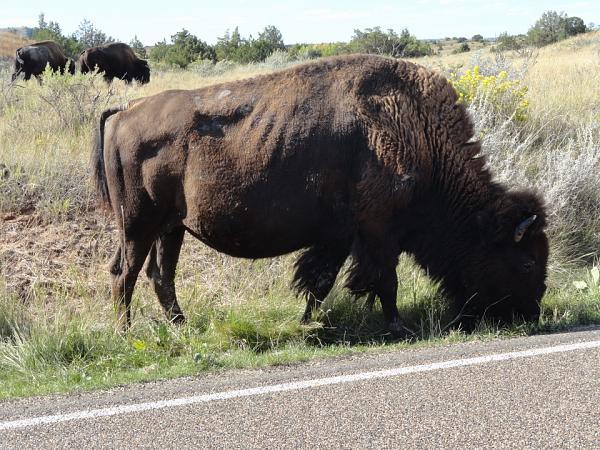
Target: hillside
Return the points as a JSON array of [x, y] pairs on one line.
[[9, 42]]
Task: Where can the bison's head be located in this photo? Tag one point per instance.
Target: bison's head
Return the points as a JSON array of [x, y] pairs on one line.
[[71, 66], [143, 71], [504, 276]]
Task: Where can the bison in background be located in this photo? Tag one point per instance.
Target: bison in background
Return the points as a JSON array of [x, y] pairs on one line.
[[359, 156], [33, 59], [115, 61]]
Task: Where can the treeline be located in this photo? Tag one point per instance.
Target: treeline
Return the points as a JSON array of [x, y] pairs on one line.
[[185, 48], [552, 27]]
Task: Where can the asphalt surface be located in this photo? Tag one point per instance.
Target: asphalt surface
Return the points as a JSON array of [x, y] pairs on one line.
[[542, 401]]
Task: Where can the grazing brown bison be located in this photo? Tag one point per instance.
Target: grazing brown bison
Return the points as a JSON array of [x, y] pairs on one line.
[[116, 61], [357, 155], [32, 60]]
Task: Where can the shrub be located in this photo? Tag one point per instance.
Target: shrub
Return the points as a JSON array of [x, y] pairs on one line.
[[462, 48], [506, 42], [507, 97], [373, 40], [304, 51]]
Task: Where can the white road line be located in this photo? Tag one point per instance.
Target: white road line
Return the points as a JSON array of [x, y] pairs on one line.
[[293, 386]]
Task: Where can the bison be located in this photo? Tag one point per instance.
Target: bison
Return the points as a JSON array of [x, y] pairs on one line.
[[33, 59], [357, 156], [115, 60]]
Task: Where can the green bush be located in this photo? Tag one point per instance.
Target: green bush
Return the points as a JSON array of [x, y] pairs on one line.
[[183, 50], [506, 96], [373, 40], [462, 48], [506, 42]]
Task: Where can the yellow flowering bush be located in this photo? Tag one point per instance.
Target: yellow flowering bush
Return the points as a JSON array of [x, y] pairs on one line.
[[507, 97]]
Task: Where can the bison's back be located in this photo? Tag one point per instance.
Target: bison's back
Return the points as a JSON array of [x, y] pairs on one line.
[[260, 160], [52, 51]]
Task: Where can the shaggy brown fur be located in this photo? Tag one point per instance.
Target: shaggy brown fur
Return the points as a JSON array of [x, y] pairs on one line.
[[33, 58], [357, 155], [115, 60]]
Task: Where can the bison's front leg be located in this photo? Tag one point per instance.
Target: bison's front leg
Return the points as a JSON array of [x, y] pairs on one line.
[[387, 290], [374, 272]]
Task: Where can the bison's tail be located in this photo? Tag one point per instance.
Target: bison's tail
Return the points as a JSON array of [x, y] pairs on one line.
[[19, 56], [98, 168]]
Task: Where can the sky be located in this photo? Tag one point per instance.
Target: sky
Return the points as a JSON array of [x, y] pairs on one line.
[[311, 21]]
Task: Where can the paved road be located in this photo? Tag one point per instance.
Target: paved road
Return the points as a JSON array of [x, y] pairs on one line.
[[541, 391]]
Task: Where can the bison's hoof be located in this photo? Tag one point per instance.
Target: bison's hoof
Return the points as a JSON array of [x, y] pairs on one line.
[[177, 319], [398, 330]]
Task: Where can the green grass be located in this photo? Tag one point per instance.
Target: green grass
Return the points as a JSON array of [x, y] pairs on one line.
[[62, 349]]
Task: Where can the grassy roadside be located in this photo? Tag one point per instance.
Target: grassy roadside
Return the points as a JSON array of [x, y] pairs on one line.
[[57, 328], [74, 345]]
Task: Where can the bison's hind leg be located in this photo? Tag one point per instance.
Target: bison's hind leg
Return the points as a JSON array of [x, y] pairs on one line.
[[160, 269], [125, 267], [316, 271]]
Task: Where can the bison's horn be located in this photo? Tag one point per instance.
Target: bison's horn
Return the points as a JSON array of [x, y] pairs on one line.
[[522, 227]]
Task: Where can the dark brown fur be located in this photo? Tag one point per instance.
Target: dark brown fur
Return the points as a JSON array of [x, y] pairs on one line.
[[33, 58], [358, 155], [115, 60]]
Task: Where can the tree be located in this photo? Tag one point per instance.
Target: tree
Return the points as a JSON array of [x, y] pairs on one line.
[[138, 47], [373, 40], [42, 21], [553, 27], [268, 42], [191, 48], [47, 31], [159, 51], [227, 46], [477, 38], [184, 49], [272, 38], [51, 31], [574, 26], [233, 47], [89, 36]]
